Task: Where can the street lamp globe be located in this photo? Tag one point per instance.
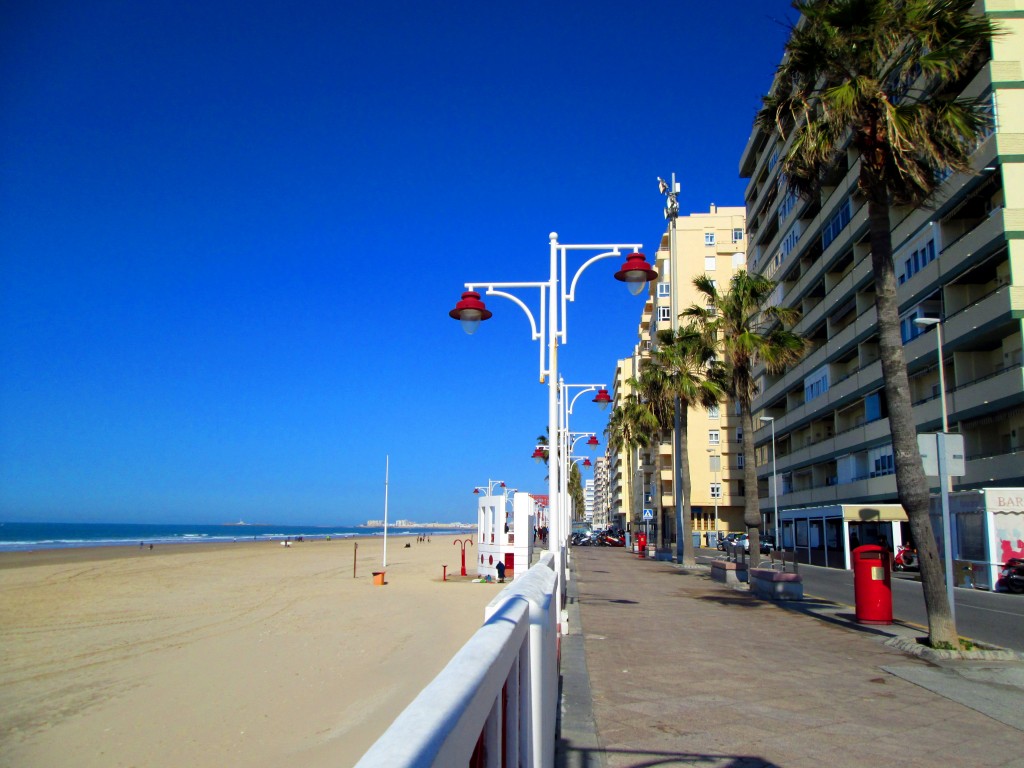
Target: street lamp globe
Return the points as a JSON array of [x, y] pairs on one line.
[[470, 311], [603, 399], [636, 273]]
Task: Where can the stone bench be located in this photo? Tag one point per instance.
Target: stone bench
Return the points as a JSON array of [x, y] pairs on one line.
[[728, 572], [776, 585]]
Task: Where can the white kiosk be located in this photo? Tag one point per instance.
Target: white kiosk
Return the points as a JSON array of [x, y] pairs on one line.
[[505, 535]]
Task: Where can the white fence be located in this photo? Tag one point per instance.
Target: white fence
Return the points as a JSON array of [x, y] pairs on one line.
[[497, 697]]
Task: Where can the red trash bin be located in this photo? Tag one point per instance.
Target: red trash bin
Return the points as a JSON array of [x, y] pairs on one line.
[[872, 584], [641, 544]]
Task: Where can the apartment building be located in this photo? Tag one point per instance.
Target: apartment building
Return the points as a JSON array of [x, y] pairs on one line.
[[711, 243], [960, 260], [624, 478], [602, 499], [588, 501]]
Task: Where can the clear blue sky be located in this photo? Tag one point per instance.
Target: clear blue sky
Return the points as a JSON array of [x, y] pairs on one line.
[[230, 235]]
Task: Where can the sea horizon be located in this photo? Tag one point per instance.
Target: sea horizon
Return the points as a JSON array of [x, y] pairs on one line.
[[18, 536]]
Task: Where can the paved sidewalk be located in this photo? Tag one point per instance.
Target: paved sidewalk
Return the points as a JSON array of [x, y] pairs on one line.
[[664, 667]]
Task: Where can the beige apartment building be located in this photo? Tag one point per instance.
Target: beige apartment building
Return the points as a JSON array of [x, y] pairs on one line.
[[711, 243], [960, 260]]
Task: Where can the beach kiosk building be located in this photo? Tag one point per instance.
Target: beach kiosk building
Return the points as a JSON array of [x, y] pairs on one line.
[[826, 535], [505, 534]]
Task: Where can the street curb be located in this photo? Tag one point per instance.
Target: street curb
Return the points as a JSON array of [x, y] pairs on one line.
[[912, 647]]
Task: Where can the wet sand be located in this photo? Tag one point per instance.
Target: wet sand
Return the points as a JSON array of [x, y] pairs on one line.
[[247, 654]]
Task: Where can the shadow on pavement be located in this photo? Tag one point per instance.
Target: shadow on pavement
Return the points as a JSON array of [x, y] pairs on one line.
[[568, 756]]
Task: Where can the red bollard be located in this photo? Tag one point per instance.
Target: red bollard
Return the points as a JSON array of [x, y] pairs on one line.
[[444, 573]]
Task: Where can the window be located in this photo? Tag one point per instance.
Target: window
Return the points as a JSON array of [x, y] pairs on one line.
[[737, 234], [836, 224], [709, 238], [790, 240], [664, 289], [739, 434], [716, 490], [713, 436], [709, 263], [788, 203], [918, 260], [713, 412], [664, 314], [739, 461], [816, 384], [873, 407]]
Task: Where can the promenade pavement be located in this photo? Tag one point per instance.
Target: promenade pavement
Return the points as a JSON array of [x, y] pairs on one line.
[[664, 667]]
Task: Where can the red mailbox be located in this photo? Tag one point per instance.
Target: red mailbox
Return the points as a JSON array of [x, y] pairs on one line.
[[641, 544], [872, 584]]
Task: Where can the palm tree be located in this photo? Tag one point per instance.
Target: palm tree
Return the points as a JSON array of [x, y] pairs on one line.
[[693, 379], [747, 330], [576, 489], [651, 388], [882, 77], [629, 427]]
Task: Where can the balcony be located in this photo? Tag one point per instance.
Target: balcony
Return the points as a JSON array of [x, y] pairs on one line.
[[995, 309], [866, 489], [999, 469], [987, 394]]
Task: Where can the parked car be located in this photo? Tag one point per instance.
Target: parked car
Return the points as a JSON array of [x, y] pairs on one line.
[[729, 538], [767, 543], [742, 540]]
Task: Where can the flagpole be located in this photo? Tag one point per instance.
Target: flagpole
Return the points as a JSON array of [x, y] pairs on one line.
[[387, 461]]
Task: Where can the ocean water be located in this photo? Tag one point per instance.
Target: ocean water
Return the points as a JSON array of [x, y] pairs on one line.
[[15, 537]]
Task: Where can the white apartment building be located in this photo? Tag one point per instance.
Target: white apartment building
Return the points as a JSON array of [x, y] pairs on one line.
[[588, 501], [960, 260], [602, 499]]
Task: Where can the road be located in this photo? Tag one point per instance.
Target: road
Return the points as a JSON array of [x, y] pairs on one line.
[[988, 617]]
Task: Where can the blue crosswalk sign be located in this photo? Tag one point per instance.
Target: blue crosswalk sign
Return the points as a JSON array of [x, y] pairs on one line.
[[648, 514]]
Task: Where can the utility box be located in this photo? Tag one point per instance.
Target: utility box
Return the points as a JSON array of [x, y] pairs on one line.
[[872, 584]]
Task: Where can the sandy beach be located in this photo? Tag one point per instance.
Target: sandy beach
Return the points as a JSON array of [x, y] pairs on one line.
[[247, 654]]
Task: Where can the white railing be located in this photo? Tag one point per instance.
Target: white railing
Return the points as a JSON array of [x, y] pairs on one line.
[[495, 702]]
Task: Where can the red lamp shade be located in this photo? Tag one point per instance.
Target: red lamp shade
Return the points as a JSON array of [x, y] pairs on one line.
[[603, 398], [470, 310], [586, 463], [538, 454], [593, 443], [636, 272], [476, 490]]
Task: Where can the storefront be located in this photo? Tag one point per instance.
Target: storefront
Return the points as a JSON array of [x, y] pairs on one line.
[[826, 535], [987, 527]]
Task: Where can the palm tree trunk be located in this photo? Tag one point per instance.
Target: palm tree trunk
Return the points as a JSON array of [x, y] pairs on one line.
[[629, 492], [684, 510], [751, 506], [911, 484]]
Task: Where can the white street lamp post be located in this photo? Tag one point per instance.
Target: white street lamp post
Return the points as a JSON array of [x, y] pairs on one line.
[[550, 329], [569, 439], [944, 479], [671, 192]]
